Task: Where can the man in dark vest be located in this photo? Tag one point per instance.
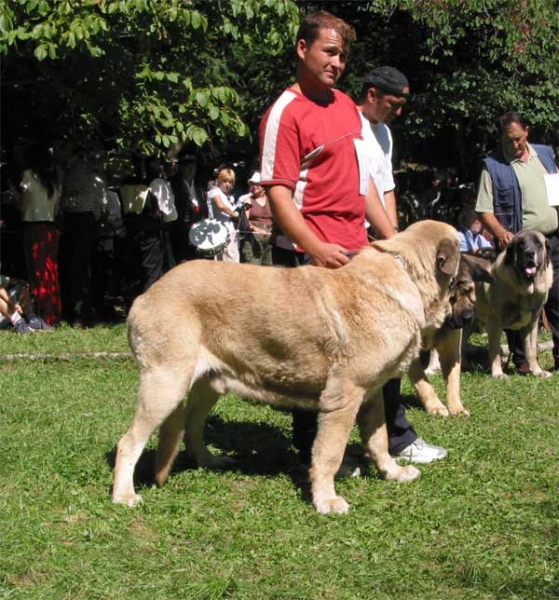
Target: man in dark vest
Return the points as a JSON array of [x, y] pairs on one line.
[[512, 196]]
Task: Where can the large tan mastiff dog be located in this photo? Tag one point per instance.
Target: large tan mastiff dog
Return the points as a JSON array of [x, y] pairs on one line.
[[523, 276], [326, 340]]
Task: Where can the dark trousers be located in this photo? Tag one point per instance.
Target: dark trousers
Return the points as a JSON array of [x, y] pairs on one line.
[[552, 305], [551, 309], [144, 261], [305, 423], [152, 256], [183, 250], [80, 232], [400, 431]]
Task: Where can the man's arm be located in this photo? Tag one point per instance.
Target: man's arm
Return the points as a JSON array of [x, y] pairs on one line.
[[390, 205], [376, 214], [291, 222], [491, 223], [484, 208]]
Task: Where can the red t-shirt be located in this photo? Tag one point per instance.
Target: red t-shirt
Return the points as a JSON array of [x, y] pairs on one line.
[[310, 149]]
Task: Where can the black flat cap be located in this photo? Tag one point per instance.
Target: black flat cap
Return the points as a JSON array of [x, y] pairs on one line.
[[388, 79]]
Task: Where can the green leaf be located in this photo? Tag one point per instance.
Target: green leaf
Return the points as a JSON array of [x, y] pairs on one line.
[[202, 98], [41, 52], [195, 19], [5, 24]]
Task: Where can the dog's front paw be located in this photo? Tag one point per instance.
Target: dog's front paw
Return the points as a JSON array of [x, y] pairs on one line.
[[438, 410], [129, 500], [460, 411], [407, 473], [499, 375], [336, 505], [543, 374]]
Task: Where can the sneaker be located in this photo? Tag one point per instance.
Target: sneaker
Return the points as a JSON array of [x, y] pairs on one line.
[[21, 327], [421, 452], [37, 324]]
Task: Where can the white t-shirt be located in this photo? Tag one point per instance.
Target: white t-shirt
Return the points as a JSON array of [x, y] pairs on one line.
[[227, 200], [378, 141], [162, 190]]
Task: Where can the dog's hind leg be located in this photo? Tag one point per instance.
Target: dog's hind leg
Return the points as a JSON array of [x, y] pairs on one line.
[[494, 330], [201, 400], [374, 435], [170, 436], [530, 341], [161, 391]]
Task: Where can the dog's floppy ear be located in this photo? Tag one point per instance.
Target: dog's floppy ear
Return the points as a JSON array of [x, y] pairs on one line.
[[547, 252], [510, 253], [448, 256], [477, 270]]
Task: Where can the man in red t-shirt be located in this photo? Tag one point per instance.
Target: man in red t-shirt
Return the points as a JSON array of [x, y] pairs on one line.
[[313, 159], [316, 169]]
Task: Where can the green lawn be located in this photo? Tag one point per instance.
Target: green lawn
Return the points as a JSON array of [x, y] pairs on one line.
[[483, 524]]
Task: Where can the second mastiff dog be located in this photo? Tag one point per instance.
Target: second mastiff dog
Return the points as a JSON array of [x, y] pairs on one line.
[[324, 340], [447, 340], [523, 276]]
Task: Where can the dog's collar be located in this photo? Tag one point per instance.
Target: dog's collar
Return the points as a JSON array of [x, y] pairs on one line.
[[398, 258], [401, 260]]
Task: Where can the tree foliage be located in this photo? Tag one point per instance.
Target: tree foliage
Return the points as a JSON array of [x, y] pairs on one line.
[[147, 75], [141, 75]]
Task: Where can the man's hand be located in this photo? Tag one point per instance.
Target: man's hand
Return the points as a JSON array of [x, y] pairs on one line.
[[505, 239], [331, 256]]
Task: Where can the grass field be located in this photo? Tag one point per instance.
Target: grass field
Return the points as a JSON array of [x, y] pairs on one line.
[[482, 524]]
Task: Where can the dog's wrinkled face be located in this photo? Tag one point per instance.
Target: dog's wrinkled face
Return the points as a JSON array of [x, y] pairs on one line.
[[528, 253], [463, 293]]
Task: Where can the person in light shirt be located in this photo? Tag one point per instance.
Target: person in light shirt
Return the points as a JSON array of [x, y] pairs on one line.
[[384, 93]]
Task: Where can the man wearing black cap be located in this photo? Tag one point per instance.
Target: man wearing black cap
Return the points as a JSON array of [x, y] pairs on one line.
[[384, 93]]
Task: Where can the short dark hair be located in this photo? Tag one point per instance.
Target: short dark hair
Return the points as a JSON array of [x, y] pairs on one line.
[[510, 117], [312, 23]]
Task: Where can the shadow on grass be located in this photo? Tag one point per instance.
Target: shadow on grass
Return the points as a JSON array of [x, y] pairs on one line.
[[258, 448]]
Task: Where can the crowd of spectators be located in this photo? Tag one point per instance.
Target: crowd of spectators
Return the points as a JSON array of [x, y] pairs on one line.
[[84, 241]]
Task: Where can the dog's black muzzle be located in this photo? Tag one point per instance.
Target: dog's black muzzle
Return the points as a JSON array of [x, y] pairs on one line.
[[460, 321]]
